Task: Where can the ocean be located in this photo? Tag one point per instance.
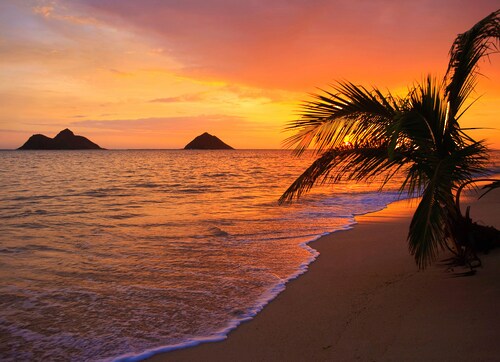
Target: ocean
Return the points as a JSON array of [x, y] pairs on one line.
[[115, 255]]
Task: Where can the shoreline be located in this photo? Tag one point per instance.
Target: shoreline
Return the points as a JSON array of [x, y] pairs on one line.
[[261, 303], [328, 313]]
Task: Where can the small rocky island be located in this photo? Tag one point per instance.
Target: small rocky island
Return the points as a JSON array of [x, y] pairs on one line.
[[207, 142], [65, 140]]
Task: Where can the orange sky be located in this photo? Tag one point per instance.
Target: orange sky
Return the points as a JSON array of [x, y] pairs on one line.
[[155, 74]]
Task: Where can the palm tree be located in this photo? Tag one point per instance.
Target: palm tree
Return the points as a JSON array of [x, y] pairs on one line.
[[417, 135]]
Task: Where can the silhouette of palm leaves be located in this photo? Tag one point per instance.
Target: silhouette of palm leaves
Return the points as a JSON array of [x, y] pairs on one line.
[[418, 135]]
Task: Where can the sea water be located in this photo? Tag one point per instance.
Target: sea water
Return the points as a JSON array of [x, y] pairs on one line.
[[117, 254]]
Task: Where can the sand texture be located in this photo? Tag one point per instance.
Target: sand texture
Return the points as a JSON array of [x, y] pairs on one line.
[[365, 300]]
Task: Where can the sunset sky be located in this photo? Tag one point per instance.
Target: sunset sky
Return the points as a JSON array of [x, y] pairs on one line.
[[157, 73]]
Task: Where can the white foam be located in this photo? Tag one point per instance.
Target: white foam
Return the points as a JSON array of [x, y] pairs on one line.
[[264, 299]]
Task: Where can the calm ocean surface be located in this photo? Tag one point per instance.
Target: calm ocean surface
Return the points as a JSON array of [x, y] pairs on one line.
[[107, 254]]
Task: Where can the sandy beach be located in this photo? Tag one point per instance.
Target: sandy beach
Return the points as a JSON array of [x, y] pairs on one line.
[[364, 299]]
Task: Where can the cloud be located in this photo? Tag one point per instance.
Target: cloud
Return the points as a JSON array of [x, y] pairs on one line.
[[229, 93], [42, 37], [168, 124], [120, 73], [45, 11], [49, 10], [285, 44], [272, 95], [194, 97]]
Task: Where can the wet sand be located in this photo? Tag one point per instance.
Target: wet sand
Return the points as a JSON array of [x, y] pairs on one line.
[[365, 300]]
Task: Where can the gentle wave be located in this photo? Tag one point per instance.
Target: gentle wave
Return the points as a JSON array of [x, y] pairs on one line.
[[242, 317]]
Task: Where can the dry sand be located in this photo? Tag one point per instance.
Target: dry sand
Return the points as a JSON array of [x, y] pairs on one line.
[[365, 300]]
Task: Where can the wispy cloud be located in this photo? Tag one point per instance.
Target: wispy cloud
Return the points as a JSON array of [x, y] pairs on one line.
[[44, 10], [119, 72], [230, 93], [167, 124], [49, 10], [193, 97]]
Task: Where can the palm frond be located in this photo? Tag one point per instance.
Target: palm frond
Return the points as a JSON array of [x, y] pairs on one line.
[[468, 162], [468, 48], [427, 234], [343, 164], [430, 224], [428, 102], [495, 184], [349, 112]]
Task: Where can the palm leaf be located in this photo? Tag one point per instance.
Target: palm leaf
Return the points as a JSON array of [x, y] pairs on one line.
[[467, 49], [431, 222], [495, 184], [352, 112], [344, 164], [427, 232]]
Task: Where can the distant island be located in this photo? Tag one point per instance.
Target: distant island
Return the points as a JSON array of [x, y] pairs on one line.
[[207, 142], [65, 140]]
